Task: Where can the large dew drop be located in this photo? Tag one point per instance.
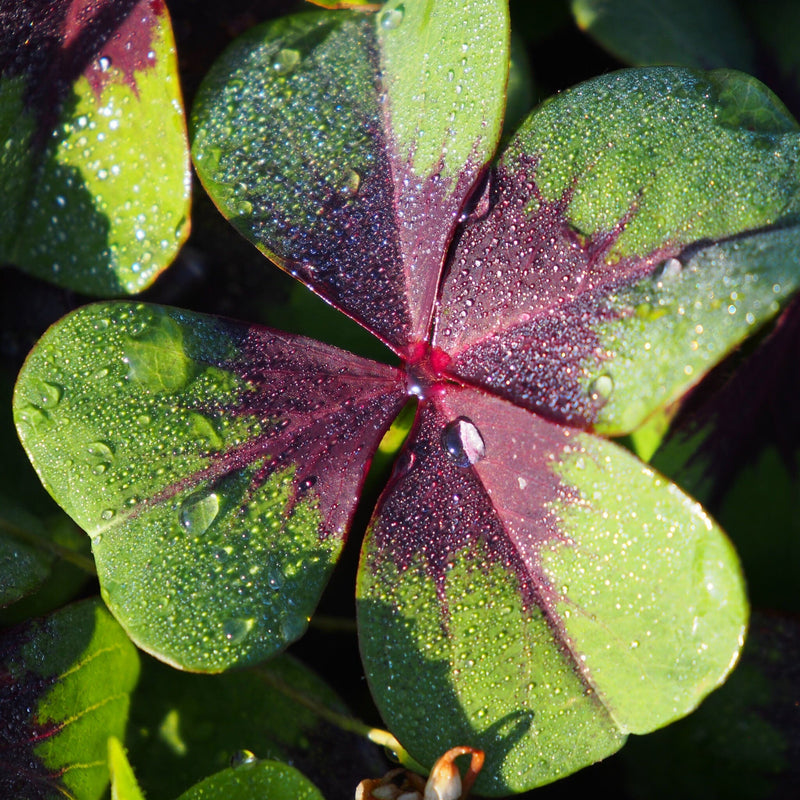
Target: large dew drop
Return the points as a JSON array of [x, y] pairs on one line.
[[391, 19], [462, 441], [198, 511]]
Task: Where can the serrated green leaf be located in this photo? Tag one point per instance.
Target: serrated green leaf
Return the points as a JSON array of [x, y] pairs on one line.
[[65, 689], [95, 169]]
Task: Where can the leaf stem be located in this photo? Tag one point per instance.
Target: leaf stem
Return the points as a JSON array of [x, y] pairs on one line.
[[345, 722], [82, 562], [333, 624]]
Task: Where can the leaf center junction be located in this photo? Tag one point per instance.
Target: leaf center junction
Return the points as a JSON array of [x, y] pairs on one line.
[[425, 371]]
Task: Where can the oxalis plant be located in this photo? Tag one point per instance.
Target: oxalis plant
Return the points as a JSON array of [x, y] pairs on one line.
[[527, 587]]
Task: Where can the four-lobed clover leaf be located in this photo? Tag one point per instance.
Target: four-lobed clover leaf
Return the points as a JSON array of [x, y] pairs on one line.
[[525, 586]]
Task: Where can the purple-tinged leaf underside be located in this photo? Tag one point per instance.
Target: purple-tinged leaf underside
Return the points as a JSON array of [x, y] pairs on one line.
[[215, 465], [65, 682], [626, 220], [95, 169], [328, 170], [550, 612]]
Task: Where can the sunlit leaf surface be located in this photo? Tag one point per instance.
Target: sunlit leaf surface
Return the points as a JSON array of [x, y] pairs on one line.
[[95, 171], [525, 586]]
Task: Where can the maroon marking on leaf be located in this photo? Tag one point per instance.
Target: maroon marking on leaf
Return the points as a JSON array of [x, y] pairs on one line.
[[22, 774], [54, 42], [427, 211], [348, 252], [495, 490], [524, 292], [323, 410]]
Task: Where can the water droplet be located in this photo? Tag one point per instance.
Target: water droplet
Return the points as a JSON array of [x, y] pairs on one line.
[[198, 511], [669, 270], [285, 61], [47, 394], [307, 483], [99, 456], [107, 514], [236, 629], [351, 181], [104, 63], [600, 390], [391, 19], [242, 758], [462, 441]]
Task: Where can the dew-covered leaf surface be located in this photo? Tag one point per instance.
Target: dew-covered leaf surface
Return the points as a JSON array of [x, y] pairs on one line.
[[271, 780], [352, 184], [95, 168], [639, 227], [214, 464], [65, 682], [549, 614], [184, 727], [705, 35]]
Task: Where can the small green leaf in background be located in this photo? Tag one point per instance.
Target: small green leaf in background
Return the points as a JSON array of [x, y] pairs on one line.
[[94, 173], [184, 727], [265, 780], [65, 682], [44, 557], [23, 568], [123, 781], [706, 34]]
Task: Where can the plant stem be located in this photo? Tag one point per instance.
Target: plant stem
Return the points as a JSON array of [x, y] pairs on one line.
[[333, 624], [345, 722]]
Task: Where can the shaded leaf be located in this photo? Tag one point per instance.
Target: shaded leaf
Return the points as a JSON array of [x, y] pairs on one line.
[[592, 291], [23, 568], [737, 449], [386, 168], [38, 543], [64, 688], [270, 780], [744, 742], [95, 170], [549, 615], [184, 727], [682, 32], [215, 465]]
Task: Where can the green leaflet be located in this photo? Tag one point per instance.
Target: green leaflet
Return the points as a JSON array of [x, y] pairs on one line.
[[705, 35], [98, 202], [271, 780], [674, 326]]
